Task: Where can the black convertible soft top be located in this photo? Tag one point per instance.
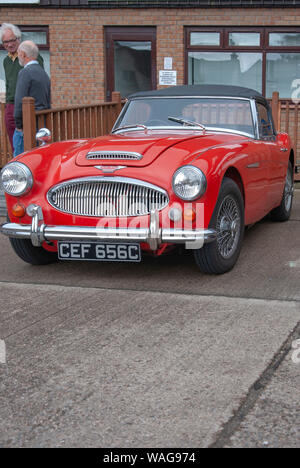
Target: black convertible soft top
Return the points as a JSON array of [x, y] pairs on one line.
[[203, 90]]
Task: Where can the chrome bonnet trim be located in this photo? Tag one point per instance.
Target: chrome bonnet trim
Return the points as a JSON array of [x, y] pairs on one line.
[[114, 155]]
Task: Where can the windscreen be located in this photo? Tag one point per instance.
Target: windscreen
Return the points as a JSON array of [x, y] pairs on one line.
[[219, 113]]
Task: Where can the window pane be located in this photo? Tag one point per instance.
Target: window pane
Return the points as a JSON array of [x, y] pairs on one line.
[[231, 68], [284, 39], [205, 38], [39, 37], [244, 39], [132, 65], [3, 54], [46, 56], [264, 122], [282, 70]]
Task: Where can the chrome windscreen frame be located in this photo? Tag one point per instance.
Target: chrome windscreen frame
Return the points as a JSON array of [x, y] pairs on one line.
[[252, 102]]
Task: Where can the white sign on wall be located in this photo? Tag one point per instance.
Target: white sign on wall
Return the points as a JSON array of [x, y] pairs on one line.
[[168, 63], [168, 77]]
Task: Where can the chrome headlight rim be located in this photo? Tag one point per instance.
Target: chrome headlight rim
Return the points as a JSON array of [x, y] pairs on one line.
[[202, 182], [26, 172]]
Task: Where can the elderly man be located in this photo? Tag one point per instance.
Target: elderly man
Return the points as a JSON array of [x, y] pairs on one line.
[[10, 35], [32, 81]]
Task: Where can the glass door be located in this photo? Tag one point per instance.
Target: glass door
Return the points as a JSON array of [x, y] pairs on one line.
[[130, 60]]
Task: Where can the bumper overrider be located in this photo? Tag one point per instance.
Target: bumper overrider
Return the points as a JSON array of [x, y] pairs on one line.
[[153, 235]]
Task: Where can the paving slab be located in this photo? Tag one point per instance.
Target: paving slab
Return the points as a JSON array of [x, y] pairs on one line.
[[100, 368], [274, 421]]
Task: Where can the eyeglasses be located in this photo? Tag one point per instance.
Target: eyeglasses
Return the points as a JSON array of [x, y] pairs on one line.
[[10, 41]]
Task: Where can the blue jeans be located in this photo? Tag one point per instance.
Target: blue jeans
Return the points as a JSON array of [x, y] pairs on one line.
[[18, 142]]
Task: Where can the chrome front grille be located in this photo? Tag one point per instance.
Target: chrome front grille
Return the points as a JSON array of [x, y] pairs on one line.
[[114, 155], [107, 197]]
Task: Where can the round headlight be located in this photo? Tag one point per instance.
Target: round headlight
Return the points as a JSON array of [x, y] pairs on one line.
[[189, 183], [16, 179]]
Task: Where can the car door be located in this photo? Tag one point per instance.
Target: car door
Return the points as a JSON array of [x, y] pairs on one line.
[[275, 157], [130, 60]]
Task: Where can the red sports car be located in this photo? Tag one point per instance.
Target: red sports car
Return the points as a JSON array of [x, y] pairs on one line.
[[190, 165]]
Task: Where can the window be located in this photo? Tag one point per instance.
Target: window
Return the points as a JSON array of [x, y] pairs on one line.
[[232, 68], [39, 35], [130, 60], [265, 126], [266, 59]]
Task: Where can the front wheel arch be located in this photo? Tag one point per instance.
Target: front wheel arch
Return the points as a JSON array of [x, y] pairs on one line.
[[221, 255], [233, 174]]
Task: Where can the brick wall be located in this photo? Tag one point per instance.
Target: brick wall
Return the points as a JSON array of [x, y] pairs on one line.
[[77, 39]]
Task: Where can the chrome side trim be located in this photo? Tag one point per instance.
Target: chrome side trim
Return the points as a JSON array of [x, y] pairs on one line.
[[253, 165]]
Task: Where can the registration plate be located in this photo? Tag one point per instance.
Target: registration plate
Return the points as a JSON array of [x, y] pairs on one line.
[[99, 251]]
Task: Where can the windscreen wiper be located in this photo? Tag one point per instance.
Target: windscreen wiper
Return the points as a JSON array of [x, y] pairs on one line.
[[189, 123], [128, 127]]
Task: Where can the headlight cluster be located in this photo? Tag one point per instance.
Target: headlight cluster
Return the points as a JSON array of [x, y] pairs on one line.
[[189, 183], [16, 179]]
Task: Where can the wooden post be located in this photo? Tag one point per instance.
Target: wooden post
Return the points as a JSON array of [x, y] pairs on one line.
[[275, 106], [3, 154], [116, 98], [29, 122]]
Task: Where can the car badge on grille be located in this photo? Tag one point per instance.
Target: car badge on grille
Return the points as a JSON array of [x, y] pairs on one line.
[[109, 169]]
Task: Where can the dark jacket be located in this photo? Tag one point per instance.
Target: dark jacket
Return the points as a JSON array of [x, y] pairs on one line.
[[12, 69], [34, 82]]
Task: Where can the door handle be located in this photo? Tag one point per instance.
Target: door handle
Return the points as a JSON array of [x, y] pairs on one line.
[[283, 150]]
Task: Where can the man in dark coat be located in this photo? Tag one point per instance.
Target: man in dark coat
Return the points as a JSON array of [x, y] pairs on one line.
[[10, 35], [32, 81]]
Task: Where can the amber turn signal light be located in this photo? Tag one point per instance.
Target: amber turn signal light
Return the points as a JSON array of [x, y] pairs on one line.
[[18, 210], [189, 214]]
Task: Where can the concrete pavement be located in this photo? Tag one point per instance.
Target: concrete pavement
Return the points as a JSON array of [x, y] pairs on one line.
[[98, 368]]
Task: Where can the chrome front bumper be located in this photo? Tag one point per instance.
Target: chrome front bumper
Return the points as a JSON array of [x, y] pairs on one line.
[[38, 232]]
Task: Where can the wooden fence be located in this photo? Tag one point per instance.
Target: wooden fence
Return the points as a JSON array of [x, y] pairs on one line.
[[64, 123], [98, 119]]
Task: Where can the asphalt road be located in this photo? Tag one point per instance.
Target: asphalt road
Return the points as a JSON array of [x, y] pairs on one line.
[[154, 354]]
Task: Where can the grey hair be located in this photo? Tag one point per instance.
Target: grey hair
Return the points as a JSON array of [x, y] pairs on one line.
[[30, 49], [12, 27]]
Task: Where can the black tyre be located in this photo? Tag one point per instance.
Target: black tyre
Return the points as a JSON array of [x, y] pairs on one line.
[[283, 211], [30, 254], [228, 219]]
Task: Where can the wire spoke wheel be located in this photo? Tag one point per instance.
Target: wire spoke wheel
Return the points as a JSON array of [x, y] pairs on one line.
[[283, 211], [288, 191], [228, 226], [221, 255]]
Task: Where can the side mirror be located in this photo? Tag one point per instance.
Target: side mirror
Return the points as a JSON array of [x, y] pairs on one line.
[[43, 136]]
